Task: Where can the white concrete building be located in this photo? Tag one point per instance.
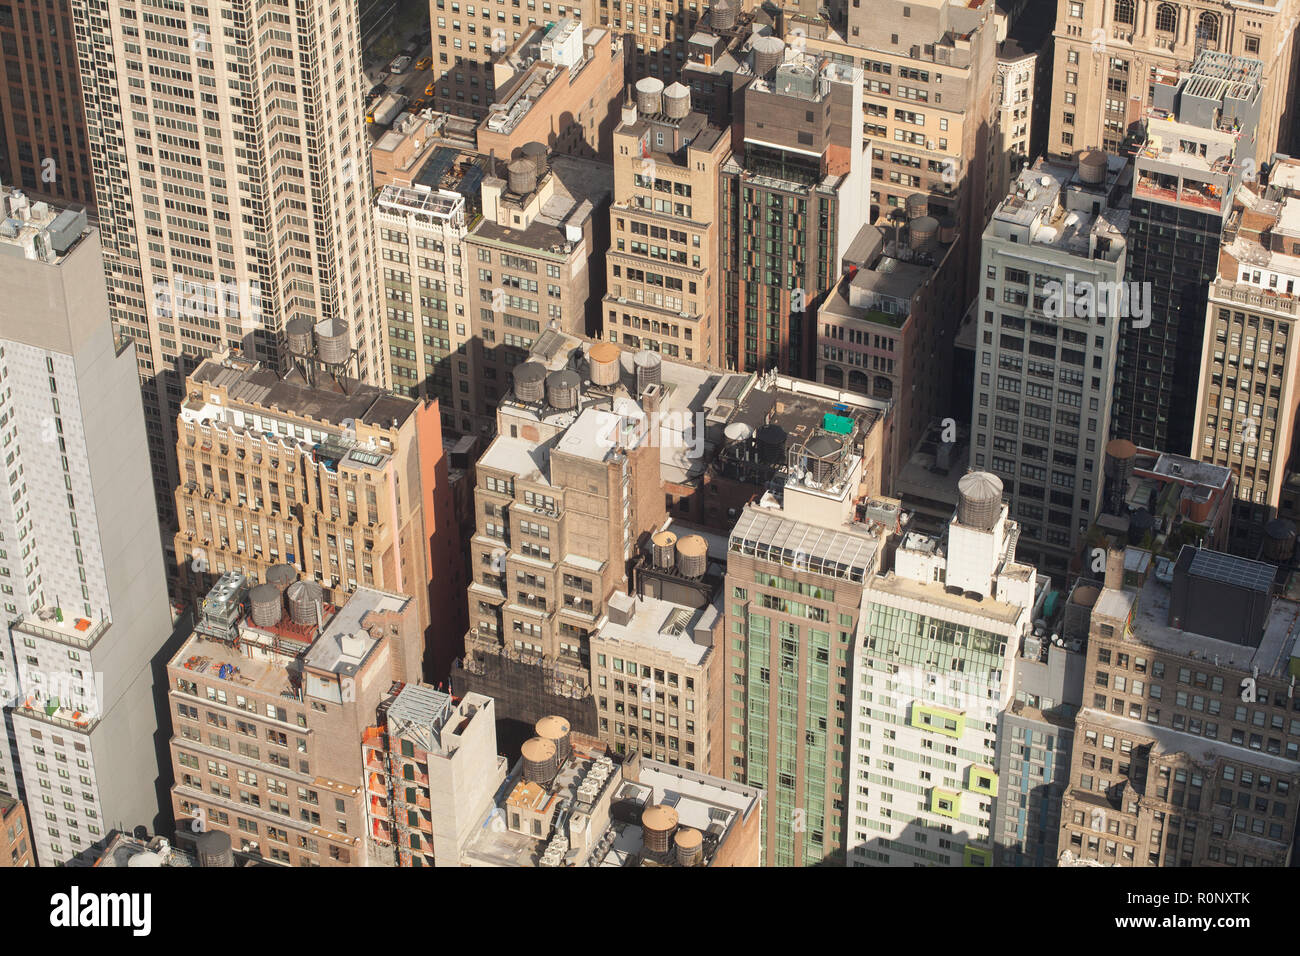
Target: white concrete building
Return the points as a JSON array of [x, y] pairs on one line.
[[933, 659], [81, 574], [1053, 298]]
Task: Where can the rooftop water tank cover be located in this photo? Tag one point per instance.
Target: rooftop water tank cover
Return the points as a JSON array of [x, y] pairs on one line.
[[837, 424]]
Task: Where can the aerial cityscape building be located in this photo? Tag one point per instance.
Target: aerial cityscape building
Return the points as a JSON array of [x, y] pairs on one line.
[[750, 433]]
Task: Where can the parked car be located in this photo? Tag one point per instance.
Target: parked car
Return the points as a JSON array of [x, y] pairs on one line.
[[400, 65], [376, 90], [428, 90]]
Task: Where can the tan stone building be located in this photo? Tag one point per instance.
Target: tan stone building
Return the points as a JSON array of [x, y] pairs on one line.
[[1187, 749], [663, 264], [532, 263], [1109, 54], [1246, 406], [468, 37], [344, 482], [232, 186], [268, 717], [562, 502], [421, 233], [657, 659], [557, 85]]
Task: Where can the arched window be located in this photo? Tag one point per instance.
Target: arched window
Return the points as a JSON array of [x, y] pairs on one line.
[[884, 388], [1167, 18], [1124, 11], [858, 381], [833, 375], [1207, 28]]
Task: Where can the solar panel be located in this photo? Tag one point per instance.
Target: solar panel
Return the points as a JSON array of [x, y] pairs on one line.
[[1227, 569]]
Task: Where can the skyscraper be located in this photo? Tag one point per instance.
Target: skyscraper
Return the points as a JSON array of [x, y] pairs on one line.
[[1245, 413], [932, 664], [232, 179], [83, 585], [1049, 320], [1200, 142], [43, 145]]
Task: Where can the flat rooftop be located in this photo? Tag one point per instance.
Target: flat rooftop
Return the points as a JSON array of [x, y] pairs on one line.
[[328, 653], [936, 594], [32, 228], [663, 626], [1151, 624], [528, 461], [250, 385]]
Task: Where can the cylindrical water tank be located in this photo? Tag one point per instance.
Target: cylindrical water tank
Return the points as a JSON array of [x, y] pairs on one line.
[[1279, 540], [1120, 453], [213, 849], [979, 500], [530, 381], [663, 547], [769, 53], [538, 154], [305, 598], [923, 231], [722, 15], [917, 206], [1092, 167], [281, 575], [677, 101], [602, 363], [649, 369], [822, 456], [657, 825], [689, 844], [649, 95], [332, 343], [562, 389], [299, 337], [540, 764], [947, 230], [522, 176], [556, 730], [265, 605], [771, 444], [692, 556]]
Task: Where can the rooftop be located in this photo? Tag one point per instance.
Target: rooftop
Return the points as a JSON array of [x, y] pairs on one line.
[[329, 401], [345, 643], [581, 187], [590, 779], [936, 594], [34, 229], [1151, 625], [770, 536], [663, 626]]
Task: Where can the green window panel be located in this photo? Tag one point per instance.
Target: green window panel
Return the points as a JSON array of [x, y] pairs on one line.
[[950, 723], [982, 780], [946, 803], [974, 856]]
